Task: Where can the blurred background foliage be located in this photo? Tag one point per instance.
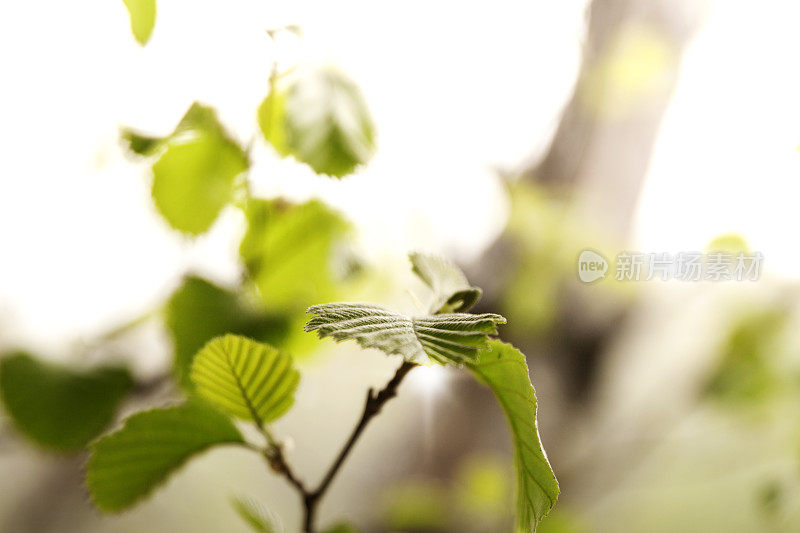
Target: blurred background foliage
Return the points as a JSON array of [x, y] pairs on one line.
[[663, 406]]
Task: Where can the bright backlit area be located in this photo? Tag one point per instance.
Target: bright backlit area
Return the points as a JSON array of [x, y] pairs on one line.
[[182, 181]]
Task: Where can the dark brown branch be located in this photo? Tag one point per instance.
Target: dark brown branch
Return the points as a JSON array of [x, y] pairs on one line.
[[372, 407], [278, 463]]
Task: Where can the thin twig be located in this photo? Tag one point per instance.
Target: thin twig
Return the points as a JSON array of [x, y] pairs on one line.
[[372, 407], [311, 498]]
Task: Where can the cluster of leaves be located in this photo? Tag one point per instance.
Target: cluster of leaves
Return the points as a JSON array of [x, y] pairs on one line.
[[235, 377], [231, 344], [291, 252]]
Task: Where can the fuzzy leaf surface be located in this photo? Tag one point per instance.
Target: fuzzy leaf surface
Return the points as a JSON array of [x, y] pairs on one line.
[[452, 293], [453, 338]]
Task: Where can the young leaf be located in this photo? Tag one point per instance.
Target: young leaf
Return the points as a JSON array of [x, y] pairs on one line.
[[322, 120], [271, 116], [129, 463], [195, 174], [143, 18], [193, 179], [244, 378], [452, 293], [255, 516], [200, 310], [503, 369], [288, 250], [447, 339], [59, 408]]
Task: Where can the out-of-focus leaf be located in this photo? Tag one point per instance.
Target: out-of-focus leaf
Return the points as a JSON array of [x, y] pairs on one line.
[[271, 116], [140, 144], [255, 516], [732, 243], [194, 179], [418, 505], [627, 71], [452, 293], [143, 18], [200, 310], [447, 339], [244, 378], [289, 251], [746, 370], [322, 120], [483, 490], [503, 369], [195, 173], [126, 465], [59, 408]]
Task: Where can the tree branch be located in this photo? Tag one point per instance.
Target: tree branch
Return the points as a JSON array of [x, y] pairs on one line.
[[372, 406]]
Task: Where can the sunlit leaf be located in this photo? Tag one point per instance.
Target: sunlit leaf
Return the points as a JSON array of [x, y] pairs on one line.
[[258, 518], [504, 370], [244, 378], [447, 338], [59, 408], [143, 18], [452, 293], [129, 463], [200, 310], [194, 179], [271, 116], [322, 120], [194, 175], [289, 251]]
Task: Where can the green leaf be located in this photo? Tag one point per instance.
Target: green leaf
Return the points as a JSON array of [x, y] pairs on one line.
[[452, 293], [732, 243], [418, 505], [255, 516], [749, 368], [59, 408], [125, 466], [139, 143], [483, 490], [447, 338], [322, 120], [289, 251], [271, 117], [244, 378], [199, 310], [504, 370], [143, 18], [194, 177]]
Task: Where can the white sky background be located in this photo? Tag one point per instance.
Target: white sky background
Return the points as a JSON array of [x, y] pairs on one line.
[[456, 90], [727, 155]]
